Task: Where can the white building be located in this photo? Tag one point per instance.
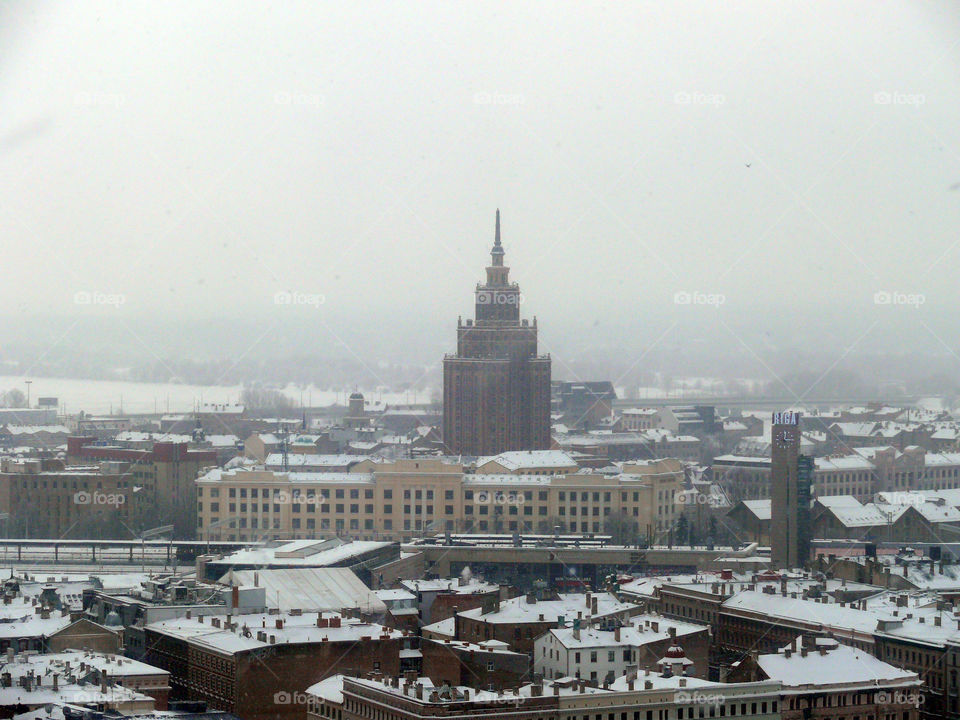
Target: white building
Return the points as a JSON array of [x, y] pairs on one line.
[[599, 655]]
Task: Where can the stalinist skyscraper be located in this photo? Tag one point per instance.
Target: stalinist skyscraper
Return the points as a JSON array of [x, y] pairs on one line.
[[496, 389]]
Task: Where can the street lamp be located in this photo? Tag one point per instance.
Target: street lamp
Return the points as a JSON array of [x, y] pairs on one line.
[[162, 530], [3, 518]]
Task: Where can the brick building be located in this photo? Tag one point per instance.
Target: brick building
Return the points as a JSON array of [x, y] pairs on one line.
[[490, 664], [519, 621], [496, 389], [165, 474], [249, 664]]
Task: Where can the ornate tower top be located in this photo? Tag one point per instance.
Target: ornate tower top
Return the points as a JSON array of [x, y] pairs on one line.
[[498, 299], [497, 252]]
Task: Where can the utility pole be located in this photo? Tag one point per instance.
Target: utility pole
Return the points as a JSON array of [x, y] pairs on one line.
[[28, 383]]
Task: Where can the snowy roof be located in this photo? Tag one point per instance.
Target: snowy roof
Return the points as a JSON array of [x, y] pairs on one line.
[[519, 610], [222, 440], [846, 462], [832, 664], [471, 587], [31, 429], [309, 588], [829, 615], [851, 513], [506, 479], [297, 629], [530, 459], [446, 627], [34, 626], [135, 436], [855, 429], [762, 509], [295, 460], [329, 689], [115, 665], [638, 632], [306, 553]]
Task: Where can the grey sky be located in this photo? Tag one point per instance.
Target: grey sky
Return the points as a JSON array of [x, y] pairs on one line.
[[196, 158]]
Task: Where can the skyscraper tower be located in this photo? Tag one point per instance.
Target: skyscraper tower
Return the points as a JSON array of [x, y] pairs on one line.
[[790, 491], [496, 389]]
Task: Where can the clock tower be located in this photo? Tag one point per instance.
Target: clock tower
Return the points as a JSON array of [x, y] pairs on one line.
[[791, 477]]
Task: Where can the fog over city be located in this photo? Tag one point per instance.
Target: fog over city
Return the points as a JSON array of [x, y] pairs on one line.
[[476, 359], [305, 192]]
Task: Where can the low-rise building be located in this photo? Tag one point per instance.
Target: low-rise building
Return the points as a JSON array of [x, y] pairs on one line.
[[247, 664], [602, 654], [823, 679], [519, 621], [86, 680]]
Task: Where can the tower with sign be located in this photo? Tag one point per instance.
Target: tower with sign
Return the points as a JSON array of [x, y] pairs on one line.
[[791, 475]]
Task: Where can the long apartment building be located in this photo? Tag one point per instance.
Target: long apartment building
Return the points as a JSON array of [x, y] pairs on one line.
[[406, 498], [45, 498], [862, 474]]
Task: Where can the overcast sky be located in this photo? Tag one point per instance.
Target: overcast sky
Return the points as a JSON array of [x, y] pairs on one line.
[[195, 159]]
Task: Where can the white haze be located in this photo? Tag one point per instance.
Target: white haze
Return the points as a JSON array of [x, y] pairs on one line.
[[194, 159]]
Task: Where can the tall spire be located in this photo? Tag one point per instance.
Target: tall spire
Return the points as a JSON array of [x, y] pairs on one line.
[[497, 252]]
